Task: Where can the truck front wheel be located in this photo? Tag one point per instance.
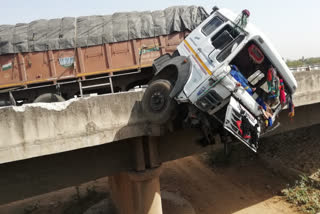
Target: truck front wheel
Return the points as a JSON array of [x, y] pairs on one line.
[[49, 98], [157, 105]]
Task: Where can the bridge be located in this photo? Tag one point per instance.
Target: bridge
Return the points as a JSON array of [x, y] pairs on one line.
[[46, 147]]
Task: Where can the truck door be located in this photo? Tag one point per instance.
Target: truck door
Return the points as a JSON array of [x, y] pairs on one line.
[[198, 46], [200, 39], [242, 124]]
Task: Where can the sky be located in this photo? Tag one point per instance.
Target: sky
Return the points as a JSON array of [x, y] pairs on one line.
[[292, 25]]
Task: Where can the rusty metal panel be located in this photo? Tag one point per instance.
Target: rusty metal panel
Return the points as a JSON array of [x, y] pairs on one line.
[[38, 66], [52, 66], [94, 59], [121, 55]]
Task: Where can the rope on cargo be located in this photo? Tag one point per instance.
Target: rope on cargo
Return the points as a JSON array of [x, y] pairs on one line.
[[75, 39], [75, 48]]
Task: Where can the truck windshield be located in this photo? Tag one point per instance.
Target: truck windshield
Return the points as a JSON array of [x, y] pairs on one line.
[[228, 50], [212, 25], [222, 38]]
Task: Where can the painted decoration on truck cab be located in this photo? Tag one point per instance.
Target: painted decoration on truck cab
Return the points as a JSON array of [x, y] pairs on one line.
[[148, 49], [6, 67], [66, 62]]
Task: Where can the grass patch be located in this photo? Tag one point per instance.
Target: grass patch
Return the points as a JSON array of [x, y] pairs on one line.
[[305, 193]]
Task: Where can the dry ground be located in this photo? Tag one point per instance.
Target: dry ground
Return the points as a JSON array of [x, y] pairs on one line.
[[237, 187], [242, 185]]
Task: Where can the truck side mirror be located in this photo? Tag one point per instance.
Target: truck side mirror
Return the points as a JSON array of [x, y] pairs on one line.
[[214, 9]]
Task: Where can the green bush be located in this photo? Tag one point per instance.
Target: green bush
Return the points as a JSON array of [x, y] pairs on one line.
[[305, 194], [303, 62]]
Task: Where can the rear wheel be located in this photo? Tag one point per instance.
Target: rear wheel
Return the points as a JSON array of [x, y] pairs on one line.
[[157, 105], [49, 98]]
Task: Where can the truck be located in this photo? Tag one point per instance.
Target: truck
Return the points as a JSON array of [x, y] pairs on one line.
[[215, 71], [228, 76], [59, 59]]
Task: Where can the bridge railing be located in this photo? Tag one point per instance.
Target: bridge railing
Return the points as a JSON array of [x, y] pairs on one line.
[[306, 68]]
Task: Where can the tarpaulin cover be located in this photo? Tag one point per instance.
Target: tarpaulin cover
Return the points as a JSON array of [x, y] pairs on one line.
[[66, 33]]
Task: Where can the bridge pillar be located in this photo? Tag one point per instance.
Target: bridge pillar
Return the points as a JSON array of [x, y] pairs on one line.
[[137, 192]]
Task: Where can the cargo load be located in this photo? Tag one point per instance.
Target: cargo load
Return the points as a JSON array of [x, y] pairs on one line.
[[87, 31]]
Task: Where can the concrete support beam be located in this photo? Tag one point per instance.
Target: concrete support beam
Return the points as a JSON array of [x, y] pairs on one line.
[[140, 163], [137, 192], [308, 88], [152, 151]]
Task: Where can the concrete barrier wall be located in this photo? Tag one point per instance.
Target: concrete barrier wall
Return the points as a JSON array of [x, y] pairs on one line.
[[308, 91], [43, 129]]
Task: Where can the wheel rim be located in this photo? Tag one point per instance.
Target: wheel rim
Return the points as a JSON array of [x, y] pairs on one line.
[[157, 101]]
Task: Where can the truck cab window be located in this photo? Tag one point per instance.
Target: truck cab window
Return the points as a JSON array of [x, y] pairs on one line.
[[222, 38], [212, 26], [228, 49]]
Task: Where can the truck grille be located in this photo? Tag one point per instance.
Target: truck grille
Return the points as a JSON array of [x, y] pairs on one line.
[[209, 101]]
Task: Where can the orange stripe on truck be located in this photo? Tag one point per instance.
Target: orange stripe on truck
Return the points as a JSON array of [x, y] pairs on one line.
[[198, 58]]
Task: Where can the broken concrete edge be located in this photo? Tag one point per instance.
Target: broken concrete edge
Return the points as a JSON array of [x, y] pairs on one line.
[[60, 106], [36, 130]]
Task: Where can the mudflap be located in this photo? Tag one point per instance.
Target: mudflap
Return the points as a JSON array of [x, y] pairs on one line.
[[242, 124]]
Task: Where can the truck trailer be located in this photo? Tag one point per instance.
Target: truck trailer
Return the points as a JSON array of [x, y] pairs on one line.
[[58, 59]]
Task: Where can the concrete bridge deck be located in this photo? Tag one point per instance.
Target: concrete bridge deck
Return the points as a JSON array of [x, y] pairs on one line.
[[40, 129]]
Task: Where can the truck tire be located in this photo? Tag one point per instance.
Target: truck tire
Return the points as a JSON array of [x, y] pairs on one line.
[[49, 98], [157, 105]]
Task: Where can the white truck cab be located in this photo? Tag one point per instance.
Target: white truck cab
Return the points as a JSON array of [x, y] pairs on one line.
[[230, 71]]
